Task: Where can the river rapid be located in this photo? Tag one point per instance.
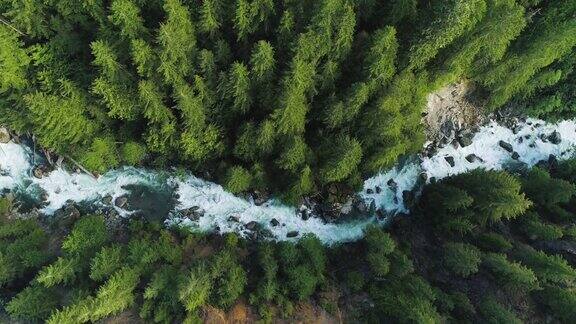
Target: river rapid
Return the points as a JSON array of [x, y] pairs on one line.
[[171, 195]]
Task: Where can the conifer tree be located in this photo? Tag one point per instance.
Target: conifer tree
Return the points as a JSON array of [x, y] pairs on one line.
[[14, 60], [451, 20], [211, 16], [195, 290], [177, 40], [125, 14]]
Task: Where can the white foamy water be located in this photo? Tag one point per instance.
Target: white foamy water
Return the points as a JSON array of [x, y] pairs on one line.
[[61, 186]]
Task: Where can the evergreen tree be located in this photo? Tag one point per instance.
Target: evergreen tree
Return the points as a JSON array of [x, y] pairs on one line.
[[177, 40], [14, 61], [34, 303], [513, 276], [462, 259]]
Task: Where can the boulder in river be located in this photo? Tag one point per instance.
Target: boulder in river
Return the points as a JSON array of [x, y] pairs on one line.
[[260, 197], [515, 155], [555, 138], [505, 145], [121, 202], [4, 135], [450, 160], [40, 171], [274, 222], [292, 234], [392, 184], [455, 143], [234, 219], [378, 189], [193, 213], [465, 139], [251, 226], [472, 158], [369, 191], [422, 177]]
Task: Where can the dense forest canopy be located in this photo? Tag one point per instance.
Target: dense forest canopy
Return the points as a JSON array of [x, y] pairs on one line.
[[284, 95]]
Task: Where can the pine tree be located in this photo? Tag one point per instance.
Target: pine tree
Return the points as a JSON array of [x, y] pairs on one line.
[[195, 290], [451, 20], [61, 121], [211, 16], [547, 40], [341, 158], [238, 179], [462, 259], [101, 156], [14, 61], [238, 88], [34, 303], [113, 85], [106, 262], [62, 272], [125, 14], [548, 268], [511, 275], [560, 301], [177, 40], [116, 294]]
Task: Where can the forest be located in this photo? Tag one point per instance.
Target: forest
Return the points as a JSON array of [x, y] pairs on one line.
[[292, 98], [480, 247], [284, 96]]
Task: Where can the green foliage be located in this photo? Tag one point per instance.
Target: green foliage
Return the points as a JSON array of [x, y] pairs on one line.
[[102, 155], [88, 235], [462, 259], [229, 279], [34, 303], [107, 261], [408, 300], [560, 301], [379, 245], [314, 93], [493, 312], [23, 248], [238, 179], [14, 60], [452, 19], [63, 271], [514, 276], [548, 268], [535, 229], [133, 153], [196, 288], [533, 52], [544, 190], [493, 242]]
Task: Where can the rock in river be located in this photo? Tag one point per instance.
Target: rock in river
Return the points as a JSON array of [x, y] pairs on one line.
[[292, 234], [505, 145], [555, 138], [4, 135], [450, 160], [121, 202]]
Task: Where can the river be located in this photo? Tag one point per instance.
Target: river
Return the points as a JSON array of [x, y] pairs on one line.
[[167, 193]]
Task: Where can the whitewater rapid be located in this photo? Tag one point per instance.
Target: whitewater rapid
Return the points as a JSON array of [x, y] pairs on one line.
[[60, 186]]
